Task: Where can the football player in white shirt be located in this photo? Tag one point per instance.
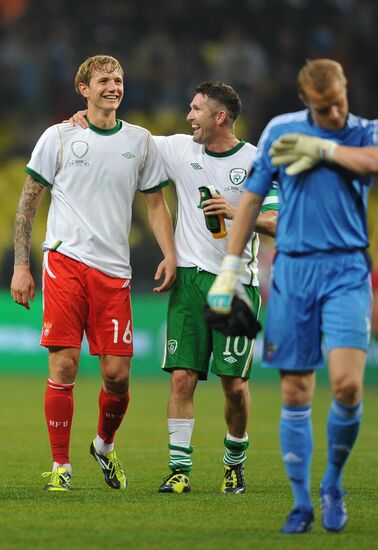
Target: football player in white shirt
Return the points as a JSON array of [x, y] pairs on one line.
[[212, 156], [92, 176]]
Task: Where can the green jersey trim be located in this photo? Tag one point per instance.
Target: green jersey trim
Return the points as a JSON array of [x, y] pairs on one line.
[[56, 245], [154, 189], [267, 207], [102, 132], [226, 153], [36, 176], [271, 201]]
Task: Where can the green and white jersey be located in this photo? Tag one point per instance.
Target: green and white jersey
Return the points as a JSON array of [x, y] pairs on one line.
[[94, 175], [190, 165]]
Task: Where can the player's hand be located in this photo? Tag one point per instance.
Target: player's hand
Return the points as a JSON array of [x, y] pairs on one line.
[[301, 152], [218, 205], [166, 269], [223, 289], [22, 286], [78, 119]]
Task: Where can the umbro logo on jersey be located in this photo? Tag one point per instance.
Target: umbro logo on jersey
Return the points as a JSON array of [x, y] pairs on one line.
[[128, 155], [231, 359], [196, 166]]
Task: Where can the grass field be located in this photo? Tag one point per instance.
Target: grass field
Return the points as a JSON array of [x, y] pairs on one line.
[[93, 516]]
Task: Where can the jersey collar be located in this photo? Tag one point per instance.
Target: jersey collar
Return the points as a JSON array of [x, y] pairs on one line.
[[107, 132], [226, 153]]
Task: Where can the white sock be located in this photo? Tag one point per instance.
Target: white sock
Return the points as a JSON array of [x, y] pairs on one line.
[[237, 439], [57, 465], [180, 431], [101, 447]]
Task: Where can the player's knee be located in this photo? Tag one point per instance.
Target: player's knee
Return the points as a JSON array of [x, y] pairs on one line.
[[115, 373], [183, 382], [295, 396], [64, 369], [237, 391], [297, 388], [116, 382], [347, 390]]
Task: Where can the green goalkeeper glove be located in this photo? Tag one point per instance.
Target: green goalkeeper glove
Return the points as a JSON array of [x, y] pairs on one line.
[[223, 289], [301, 152]]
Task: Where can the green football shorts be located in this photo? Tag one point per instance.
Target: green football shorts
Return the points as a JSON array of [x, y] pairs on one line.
[[190, 344]]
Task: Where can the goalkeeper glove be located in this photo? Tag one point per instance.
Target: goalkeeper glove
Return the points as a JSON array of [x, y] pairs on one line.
[[240, 322], [223, 289], [301, 152], [230, 310]]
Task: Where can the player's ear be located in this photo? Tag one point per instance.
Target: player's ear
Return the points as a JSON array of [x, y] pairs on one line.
[[221, 116], [83, 89], [303, 98]]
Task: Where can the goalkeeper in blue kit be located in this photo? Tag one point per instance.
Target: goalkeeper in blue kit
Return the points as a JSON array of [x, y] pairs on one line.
[[320, 287]]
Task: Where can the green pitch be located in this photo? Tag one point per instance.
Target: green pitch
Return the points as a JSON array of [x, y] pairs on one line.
[[92, 516]]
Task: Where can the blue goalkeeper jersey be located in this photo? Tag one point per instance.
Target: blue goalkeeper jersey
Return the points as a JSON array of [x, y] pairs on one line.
[[320, 209]]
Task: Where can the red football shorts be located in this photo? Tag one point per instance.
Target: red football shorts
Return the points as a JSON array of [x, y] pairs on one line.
[[79, 299], [374, 279]]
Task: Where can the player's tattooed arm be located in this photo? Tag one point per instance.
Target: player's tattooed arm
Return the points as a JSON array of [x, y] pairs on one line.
[[22, 284], [30, 199]]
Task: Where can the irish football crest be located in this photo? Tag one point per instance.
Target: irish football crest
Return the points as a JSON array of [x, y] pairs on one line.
[[79, 148], [172, 346], [237, 175]]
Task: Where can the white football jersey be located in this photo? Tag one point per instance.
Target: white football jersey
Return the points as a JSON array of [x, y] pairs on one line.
[[190, 166], [93, 175]]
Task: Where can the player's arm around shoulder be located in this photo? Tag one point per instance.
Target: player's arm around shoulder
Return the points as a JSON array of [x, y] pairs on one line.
[[22, 284], [160, 220], [266, 221]]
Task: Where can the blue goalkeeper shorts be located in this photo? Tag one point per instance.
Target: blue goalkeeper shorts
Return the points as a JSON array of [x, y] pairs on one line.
[[314, 299]]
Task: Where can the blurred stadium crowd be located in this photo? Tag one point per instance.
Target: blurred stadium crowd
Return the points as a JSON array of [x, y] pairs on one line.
[[166, 48]]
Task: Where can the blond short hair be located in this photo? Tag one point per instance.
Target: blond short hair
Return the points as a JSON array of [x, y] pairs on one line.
[[319, 75], [103, 63]]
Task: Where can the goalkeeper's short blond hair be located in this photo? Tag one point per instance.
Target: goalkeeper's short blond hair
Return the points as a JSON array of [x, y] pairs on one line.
[[319, 75], [104, 63]]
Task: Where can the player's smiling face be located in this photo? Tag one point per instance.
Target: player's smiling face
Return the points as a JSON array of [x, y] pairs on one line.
[[105, 90], [202, 117], [329, 109]]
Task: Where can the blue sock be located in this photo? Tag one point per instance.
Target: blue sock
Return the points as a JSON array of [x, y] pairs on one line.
[[296, 448], [342, 429]]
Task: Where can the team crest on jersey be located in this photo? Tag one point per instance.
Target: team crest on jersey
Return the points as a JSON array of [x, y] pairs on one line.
[[172, 346], [79, 148], [237, 175]]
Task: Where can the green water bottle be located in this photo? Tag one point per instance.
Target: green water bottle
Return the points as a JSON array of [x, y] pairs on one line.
[[214, 223]]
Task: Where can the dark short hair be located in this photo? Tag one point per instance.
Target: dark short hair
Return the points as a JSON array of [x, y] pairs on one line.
[[223, 94]]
